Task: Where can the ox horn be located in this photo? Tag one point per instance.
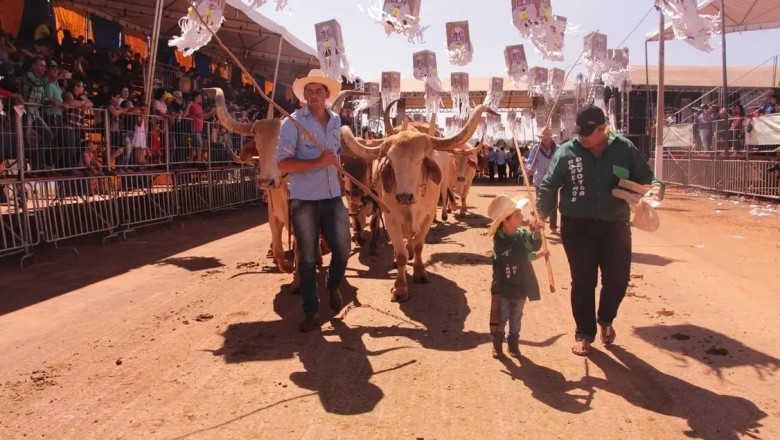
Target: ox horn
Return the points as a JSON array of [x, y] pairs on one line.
[[358, 148], [432, 125], [224, 117], [338, 103], [386, 117], [465, 133], [469, 149]]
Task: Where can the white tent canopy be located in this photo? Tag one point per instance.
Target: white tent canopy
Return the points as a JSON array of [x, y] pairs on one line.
[[249, 35], [741, 16]]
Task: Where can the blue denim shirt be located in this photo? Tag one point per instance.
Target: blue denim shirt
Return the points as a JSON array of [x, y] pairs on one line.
[[319, 184], [543, 159]]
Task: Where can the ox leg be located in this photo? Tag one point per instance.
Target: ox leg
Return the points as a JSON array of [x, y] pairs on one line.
[[376, 229], [400, 289], [445, 203], [463, 201], [277, 247], [419, 274]]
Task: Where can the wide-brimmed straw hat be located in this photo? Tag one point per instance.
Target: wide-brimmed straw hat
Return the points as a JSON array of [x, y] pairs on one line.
[[545, 132], [315, 76], [501, 207]]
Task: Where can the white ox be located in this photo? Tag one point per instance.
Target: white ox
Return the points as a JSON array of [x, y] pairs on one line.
[[411, 186]]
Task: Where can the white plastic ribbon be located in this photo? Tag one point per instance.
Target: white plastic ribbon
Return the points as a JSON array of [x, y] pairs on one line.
[[459, 90], [688, 25], [424, 68], [194, 32], [330, 50], [391, 90], [459, 46], [399, 17], [495, 93], [619, 71]]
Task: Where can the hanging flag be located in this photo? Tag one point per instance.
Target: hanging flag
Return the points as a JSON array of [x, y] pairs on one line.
[[525, 16], [424, 64], [391, 90], [399, 17], [619, 70], [548, 41], [495, 93], [595, 55], [556, 83], [459, 46], [194, 32], [516, 64], [537, 84], [461, 103], [536, 22], [330, 50], [369, 102], [495, 129], [688, 25]]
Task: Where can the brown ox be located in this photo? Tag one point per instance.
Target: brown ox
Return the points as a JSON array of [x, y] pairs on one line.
[[463, 172], [265, 135], [411, 185]]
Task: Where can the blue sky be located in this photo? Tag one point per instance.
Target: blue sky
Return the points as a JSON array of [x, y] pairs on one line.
[[370, 51]]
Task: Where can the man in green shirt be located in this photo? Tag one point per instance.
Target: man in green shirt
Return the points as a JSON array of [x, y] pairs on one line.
[[595, 228]]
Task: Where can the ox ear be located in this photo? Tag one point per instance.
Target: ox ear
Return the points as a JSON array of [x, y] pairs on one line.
[[388, 177], [472, 163], [431, 170], [248, 150]]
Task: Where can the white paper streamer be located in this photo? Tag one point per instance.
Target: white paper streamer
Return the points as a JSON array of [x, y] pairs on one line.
[[424, 68], [391, 90], [688, 25], [461, 102], [399, 17], [595, 55], [538, 82], [194, 33], [495, 93], [619, 69], [330, 50]]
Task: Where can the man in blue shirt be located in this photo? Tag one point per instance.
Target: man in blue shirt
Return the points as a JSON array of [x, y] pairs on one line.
[[539, 160], [491, 160], [315, 193]]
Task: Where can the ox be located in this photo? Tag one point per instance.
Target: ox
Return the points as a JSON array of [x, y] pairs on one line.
[[411, 186], [464, 170], [265, 140]]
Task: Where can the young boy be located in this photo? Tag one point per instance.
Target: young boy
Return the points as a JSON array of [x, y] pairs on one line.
[[514, 280]]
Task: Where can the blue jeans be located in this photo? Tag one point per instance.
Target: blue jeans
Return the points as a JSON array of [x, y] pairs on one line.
[[512, 311], [309, 218]]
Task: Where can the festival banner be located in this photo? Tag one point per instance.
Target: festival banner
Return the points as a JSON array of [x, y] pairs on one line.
[[391, 90], [459, 46], [330, 50], [516, 64], [194, 32]]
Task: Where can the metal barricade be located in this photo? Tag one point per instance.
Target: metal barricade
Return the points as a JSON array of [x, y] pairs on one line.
[[234, 186], [193, 191], [743, 177], [17, 233], [72, 207], [145, 199]]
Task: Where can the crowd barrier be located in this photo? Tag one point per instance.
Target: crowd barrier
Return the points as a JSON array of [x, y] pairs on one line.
[[740, 177]]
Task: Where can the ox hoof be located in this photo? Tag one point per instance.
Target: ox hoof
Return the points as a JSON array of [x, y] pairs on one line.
[[399, 296], [444, 216], [421, 279]]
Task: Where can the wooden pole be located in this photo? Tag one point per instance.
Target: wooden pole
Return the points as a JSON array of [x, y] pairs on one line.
[[659, 112], [532, 199], [301, 128]]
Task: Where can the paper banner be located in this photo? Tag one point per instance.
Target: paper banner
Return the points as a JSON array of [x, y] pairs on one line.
[[461, 103], [391, 90], [516, 64], [595, 55], [459, 46], [330, 50], [537, 82], [398, 17], [194, 32], [424, 68], [618, 74], [494, 93], [556, 83], [536, 22], [688, 25], [548, 41]]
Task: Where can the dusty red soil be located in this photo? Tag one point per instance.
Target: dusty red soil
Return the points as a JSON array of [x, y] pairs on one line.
[[189, 332]]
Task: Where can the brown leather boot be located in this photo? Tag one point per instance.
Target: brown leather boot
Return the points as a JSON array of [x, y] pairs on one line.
[[498, 350], [514, 347]]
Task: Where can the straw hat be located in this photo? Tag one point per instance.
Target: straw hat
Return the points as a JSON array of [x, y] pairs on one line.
[[501, 207], [315, 76], [546, 132]]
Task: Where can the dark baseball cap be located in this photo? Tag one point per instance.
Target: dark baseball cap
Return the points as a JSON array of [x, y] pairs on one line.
[[588, 118]]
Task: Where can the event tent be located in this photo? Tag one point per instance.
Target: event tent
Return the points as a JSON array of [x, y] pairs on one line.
[[741, 16]]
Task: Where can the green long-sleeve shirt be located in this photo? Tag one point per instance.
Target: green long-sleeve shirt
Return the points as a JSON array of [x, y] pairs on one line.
[[513, 273], [586, 182]]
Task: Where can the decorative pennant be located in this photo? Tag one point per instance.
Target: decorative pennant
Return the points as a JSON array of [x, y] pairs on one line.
[[330, 50], [516, 64], [391, 90], [370, 102], [495, 129], [257, 4], [495, 93], [556, 83], [688, 25], [595, 55], [461, 103], [459, 46], [399, 17], [549, 40], [619, 70], [536, 22], [537, 84], [424, 64], [194, 32]]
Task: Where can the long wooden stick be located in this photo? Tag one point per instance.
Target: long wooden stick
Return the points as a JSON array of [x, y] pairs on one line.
[[536, 213], [303, 130]]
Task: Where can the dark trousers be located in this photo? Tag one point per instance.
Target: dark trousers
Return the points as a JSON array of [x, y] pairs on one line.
[[491, 170], [593, 245], [501, 171]]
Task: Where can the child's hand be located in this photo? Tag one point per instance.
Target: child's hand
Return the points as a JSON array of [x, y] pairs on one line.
[[536, 224], [543, 253]]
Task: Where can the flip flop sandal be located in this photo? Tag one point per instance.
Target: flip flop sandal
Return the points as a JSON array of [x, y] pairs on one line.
[[607, 334], [581, 348]]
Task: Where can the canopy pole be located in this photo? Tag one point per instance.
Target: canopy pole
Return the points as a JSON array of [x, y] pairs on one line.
[[659, 116], [648, 103], [153, 53], [724, 101], [276, 76]]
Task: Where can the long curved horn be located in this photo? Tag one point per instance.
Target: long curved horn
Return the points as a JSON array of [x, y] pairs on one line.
[[465, 133], [357, 148], [469, 149], [432, 125], [386, 117], [338, 103], [224, 117]]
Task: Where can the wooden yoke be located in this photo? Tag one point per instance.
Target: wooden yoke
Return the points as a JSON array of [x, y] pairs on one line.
[[532, 199], [284, 112]]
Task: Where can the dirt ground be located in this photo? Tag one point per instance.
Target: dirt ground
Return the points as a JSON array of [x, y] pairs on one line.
[[188, 331]]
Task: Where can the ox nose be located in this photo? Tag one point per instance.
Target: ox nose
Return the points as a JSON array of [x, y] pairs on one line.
[[405, 199], [267, 183], [461, 179]]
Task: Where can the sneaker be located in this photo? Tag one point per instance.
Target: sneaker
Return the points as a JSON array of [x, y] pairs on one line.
[[335, 301], [309, 323]]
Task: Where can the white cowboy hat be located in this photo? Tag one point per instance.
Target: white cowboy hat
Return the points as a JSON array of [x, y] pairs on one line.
[[315, 76], [501, 207], [545, 132]]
